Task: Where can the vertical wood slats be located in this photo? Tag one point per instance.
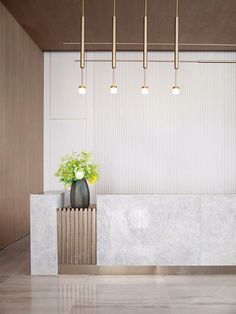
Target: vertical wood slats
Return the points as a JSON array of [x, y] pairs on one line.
[[77, 236]]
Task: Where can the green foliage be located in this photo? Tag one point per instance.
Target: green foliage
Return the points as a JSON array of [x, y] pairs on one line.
[[77, 166]]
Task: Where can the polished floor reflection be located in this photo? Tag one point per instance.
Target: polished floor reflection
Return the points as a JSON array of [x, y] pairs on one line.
[[21, 293]]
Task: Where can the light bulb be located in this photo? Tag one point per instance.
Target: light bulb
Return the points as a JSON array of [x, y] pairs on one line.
[[113, 89], [82, 89], [144, 90], [175, 90]]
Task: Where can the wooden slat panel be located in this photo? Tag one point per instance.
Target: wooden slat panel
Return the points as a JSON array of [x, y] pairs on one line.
[[72, 236], [76, 236], [68, 245], [59, 234], [89, 237], [63, 236], [94, 237], [76, 217], [81, 236], [85, 236]]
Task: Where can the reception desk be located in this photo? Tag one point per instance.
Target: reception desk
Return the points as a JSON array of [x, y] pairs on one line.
[[133, 231], [165, 230]]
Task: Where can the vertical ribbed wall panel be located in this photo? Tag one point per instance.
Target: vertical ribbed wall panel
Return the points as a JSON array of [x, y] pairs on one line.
[[159, 143], [163, 143]]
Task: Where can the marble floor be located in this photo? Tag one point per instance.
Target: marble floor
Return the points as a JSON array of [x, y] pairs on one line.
[[23, 294]]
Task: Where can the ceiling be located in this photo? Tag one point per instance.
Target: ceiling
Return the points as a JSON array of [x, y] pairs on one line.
[[204, 24]]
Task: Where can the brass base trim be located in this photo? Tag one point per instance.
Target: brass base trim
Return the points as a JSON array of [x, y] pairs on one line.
[[155, 44], [145, 270]]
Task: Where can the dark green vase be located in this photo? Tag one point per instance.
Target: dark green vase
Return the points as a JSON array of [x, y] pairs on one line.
[[79, 194]]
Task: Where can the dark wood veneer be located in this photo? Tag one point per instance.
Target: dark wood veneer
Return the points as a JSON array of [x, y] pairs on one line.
[[50, 23]]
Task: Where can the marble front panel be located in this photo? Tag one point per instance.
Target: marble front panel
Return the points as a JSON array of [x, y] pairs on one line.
[[166, 230], [43, 226]]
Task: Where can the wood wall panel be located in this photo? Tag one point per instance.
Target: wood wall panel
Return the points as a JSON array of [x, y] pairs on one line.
[[51, 23], [21, 127]]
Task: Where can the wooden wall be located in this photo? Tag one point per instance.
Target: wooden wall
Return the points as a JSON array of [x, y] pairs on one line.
[[21, 127]]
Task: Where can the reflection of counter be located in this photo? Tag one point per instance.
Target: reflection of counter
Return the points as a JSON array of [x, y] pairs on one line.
[[166, 230], [43, 230]]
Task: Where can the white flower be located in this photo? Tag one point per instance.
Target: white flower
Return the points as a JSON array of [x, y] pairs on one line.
[[79, 174]]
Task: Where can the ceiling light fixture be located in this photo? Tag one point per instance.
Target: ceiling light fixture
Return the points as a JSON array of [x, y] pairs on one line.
[[144, 88], [175, 88], [113, 87], [82, 87]]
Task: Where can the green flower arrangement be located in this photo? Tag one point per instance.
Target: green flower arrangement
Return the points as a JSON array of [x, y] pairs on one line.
[[76, 167]]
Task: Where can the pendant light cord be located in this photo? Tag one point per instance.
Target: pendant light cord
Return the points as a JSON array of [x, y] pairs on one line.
[[82, 76], [113, 76], [145, 77], [176, 77]]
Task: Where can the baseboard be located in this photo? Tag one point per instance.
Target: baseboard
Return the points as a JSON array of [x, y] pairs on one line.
[[145, 270]]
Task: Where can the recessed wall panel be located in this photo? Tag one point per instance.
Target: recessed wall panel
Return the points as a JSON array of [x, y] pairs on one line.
[[65, 81]]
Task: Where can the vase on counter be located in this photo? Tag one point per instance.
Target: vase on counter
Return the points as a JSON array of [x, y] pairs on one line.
[[79, 194]]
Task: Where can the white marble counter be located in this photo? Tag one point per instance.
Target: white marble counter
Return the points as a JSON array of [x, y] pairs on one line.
[[166, 230], [43, 231]]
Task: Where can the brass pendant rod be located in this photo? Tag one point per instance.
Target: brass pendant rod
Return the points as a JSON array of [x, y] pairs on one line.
[[176, 55], [155, 44], [114, 42], [163, 61], [145, 36], [82, 56], [114, 37]]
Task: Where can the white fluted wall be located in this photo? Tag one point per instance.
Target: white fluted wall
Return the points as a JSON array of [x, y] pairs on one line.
[[152, 144]]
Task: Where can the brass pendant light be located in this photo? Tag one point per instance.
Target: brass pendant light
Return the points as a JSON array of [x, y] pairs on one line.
[[82, 87], [175, 88], [113, 87], [144, 88]]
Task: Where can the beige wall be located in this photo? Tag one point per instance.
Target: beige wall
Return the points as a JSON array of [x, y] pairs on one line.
[[21, 127]]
